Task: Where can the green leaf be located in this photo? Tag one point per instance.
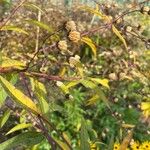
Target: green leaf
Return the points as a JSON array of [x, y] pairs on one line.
[[84, 137], [19, 127], [33, 7], [115, 30], [90, 43], [13, 28], [41, 93], [28, 139], [4, 118], [18, 96], [94, 11], [102, 97], [3, 95], [111, 143], [40, 24], [103, 82]]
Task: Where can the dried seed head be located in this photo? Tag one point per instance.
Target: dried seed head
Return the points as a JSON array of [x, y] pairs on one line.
[[71, 26], [74, 36], [62, 45]]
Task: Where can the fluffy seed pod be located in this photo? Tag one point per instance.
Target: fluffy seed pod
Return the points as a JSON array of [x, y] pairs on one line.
[[71, 26], [62, 45], [74, 36]]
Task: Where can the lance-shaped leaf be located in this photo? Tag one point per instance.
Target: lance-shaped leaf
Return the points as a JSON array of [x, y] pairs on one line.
[[7, 63], [41, 93], [126, 141], [33, 7], [94, 11], [28, 139], [41, 25], [92, 100], [103, 82], [18, 96], [88, 84], [13, 28], [90, 43], [115, 30], [63, 145], [84, 137], [19, 127], [3, 95], [4, 118]]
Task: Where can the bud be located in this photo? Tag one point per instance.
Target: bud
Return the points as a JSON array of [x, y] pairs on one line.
[[43, 69], [59, 83], [71, 26], [116, 100], [74, 36]]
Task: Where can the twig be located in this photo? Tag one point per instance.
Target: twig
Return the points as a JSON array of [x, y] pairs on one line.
[[49, 138], [12, 14]]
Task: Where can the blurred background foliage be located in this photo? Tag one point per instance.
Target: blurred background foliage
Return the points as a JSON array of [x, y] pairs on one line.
[[127, 71]]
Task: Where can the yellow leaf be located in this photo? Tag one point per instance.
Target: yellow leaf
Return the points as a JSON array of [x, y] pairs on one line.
[[128, 125], [13, 28], [64, 146], [126, 141], [89, 42], [72, 83], [18, 96], [92, 100], [19, 127], [7, 62], [66, 138], [103, 82], [115, 30], [145, 106], [63, 87], [62, 71]]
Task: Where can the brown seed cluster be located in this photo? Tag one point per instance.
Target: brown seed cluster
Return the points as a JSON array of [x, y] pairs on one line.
[[74, 36], [71, 26], [62, 45]]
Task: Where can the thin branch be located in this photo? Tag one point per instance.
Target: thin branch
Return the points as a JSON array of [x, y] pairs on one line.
[[12, 14]]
